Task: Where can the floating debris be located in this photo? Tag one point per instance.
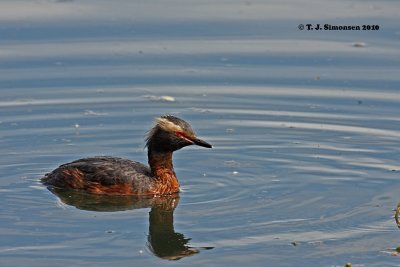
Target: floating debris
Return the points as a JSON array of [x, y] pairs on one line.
[[295, 243], [392, 251], [359, 44], [89, 112], [165, 98], [396, 215]]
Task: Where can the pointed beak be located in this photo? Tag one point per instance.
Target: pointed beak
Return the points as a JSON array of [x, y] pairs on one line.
[[202, 143]]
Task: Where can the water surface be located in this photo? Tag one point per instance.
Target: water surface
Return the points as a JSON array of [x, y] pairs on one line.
[[305, 127]]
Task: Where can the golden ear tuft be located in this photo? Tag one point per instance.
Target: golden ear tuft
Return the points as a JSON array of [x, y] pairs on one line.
[[168, 125]]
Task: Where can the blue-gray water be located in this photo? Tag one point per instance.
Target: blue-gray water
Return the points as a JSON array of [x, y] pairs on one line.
[[305, 127]]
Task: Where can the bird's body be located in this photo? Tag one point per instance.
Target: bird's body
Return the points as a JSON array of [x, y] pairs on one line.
[[104, 175], [117, 176]]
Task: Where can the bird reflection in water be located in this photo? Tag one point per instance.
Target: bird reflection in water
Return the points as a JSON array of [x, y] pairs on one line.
[[163, 241]]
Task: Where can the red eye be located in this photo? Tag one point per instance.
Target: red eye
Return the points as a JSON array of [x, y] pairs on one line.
[[181, 135]]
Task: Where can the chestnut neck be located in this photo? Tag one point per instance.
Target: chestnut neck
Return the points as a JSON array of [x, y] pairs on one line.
[[163, 172]]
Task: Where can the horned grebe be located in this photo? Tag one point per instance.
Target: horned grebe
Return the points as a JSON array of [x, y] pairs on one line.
[[117, 176]]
